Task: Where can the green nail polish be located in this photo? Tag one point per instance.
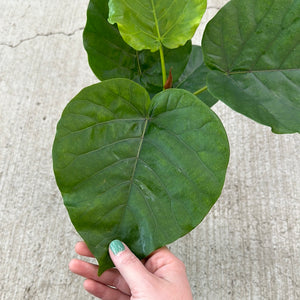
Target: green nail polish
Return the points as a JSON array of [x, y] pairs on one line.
[[116, 247]]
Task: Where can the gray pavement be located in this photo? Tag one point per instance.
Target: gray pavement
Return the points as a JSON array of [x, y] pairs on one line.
[[248, 247]]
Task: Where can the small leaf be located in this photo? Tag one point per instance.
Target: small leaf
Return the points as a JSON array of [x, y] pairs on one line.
[[145, 172], [110, 57], [253, 49], [194, 77], [148, 24]]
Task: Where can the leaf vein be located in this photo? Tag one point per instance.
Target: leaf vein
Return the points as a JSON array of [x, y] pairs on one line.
[[292, 82], [167, 192], [244, 42], [101, 171], [98, 149], [101, 124], [274, 39], [261, 71], [173, 164], [147, 204], [192, 150]]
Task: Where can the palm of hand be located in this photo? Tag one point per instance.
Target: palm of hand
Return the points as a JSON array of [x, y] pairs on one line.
[[159, 276]]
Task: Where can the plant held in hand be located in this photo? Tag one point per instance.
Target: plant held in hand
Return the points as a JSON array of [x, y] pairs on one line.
[[144, 164]]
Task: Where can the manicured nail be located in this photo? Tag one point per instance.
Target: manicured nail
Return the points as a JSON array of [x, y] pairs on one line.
[[116, 247]]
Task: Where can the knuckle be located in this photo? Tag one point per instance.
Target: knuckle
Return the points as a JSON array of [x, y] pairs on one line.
[[116, 282], [128, 259]]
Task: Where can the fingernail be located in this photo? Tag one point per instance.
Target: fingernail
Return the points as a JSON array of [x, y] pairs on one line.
[[116, 247]]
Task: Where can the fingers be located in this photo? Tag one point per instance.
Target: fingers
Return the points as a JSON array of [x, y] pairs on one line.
[[129, 266], [163, 257], [84, 269], [161, 274], [104, 292], [110, 277], [82, 249]]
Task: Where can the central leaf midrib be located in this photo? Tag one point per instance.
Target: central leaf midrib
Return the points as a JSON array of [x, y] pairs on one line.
[[134, 170], [137, 156], [156, 21], [259, 71]]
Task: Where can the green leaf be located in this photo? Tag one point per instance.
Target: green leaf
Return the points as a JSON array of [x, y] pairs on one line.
[[148, 24], [145, 172], [253, 48], [110, 57], [194, 77]]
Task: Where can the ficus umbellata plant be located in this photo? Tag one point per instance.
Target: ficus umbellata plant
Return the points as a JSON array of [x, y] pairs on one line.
[[140, 156]]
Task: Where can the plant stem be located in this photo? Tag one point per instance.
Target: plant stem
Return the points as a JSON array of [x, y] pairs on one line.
[[163, 65], [161, 51], [138, 62], [200, 91]]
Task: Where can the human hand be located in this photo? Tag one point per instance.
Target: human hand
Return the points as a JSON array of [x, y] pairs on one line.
[[160, 276]]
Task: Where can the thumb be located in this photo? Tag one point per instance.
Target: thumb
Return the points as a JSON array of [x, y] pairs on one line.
[[130, 267]]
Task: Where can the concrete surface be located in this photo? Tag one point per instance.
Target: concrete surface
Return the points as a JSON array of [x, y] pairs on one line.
[[248, 247]]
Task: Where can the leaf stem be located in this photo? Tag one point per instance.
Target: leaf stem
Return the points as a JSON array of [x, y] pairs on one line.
[[163, 64], [200, 91]]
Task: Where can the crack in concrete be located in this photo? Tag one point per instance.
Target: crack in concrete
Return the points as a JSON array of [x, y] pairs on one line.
[[59, 33], [41, 35]]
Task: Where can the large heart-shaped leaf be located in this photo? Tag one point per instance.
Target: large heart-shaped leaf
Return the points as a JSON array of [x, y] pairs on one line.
[[254, 49], [110, 57], [145, 172], [194, 76], [148, 24]]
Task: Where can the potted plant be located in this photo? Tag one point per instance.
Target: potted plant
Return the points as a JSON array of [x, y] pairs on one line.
[[140, 156]]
